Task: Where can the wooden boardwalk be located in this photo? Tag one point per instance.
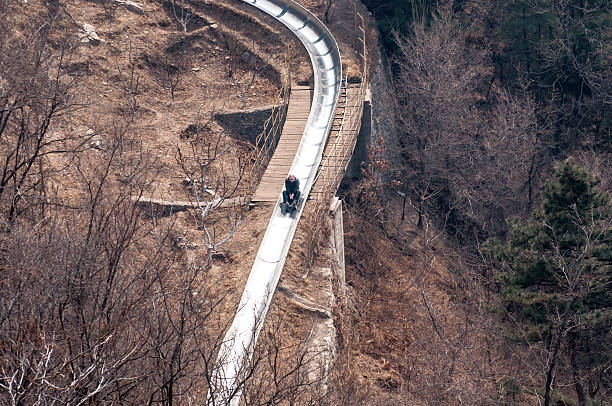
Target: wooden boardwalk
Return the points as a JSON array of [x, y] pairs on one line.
[[271, 183], [340, 144]]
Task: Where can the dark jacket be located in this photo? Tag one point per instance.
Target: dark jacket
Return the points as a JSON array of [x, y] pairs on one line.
[[292, 187]]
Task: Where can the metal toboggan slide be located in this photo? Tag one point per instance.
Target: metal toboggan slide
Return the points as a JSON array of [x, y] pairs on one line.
[[239, 342]]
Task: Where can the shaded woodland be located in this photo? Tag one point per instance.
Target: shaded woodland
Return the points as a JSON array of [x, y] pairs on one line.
[[503, 121]]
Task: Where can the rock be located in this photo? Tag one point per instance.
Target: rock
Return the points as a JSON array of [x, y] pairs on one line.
[[249, 58], [219, 256], [131, 6], [246, 57], [95, 140], [213, 26], [90, 35]]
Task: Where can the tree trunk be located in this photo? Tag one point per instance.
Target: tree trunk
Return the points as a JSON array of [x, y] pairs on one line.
[[577, 378], [555, 355], [551, 369]]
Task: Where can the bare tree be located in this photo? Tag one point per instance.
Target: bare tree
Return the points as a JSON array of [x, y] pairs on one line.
[[563, 240], [285, 372], [518, 147], [182, 13], [118, 305], [573, 55], [79, 348], [129, 81], [560, 45], [35, 90], [215, 170], [436, 77], [232, 46], [424, 326], [484, 163], [168, 72]]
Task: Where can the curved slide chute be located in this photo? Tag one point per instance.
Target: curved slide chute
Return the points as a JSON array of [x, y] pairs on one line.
[[239, 342]]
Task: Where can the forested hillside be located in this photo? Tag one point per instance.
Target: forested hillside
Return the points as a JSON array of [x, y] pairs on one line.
[[477, 233], [503, 118]]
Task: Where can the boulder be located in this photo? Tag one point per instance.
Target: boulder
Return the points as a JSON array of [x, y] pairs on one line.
[[89, 35], [95, 140], [131, 6]]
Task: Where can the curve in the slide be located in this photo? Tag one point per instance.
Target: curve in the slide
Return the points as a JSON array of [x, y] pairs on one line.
[[239, 342]]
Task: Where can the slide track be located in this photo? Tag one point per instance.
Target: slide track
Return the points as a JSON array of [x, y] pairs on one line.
[[237, 347]]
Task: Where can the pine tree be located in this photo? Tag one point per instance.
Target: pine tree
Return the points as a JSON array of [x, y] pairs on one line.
[[556, 276], [562, 43], [398, 16]]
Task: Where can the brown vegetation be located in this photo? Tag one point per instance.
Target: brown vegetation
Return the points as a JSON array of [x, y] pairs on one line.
[[102, 301]]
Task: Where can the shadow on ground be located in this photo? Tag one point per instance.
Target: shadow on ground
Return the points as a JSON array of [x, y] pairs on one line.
[[244, 125]]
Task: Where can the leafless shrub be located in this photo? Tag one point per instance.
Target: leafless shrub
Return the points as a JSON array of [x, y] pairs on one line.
[[129, 81], [182, 13], [168, 72], [110, 8]]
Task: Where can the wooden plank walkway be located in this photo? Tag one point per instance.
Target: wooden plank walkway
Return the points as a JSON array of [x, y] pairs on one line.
[[340, 144], [271, 183]]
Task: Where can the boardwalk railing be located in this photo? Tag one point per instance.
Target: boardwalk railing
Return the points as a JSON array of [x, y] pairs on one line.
[[338, 155], [266, 141]]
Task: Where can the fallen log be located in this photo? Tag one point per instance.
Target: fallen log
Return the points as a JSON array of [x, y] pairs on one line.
[[167, 207], [303, 303]]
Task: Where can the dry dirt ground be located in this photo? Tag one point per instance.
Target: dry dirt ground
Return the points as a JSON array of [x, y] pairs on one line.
[[228, 61], [214, 65], [224, 62]]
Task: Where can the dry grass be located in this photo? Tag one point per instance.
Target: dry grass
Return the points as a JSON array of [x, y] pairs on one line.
[[416, 337]]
